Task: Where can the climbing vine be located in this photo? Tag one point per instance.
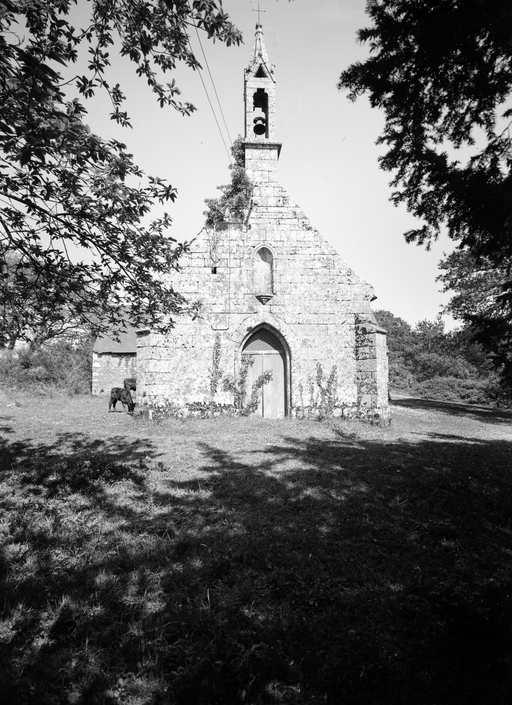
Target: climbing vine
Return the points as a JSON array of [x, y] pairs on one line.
[[322, 393], [213, 238], [215, 371], [238, 387], [327, 388], [236, 196]]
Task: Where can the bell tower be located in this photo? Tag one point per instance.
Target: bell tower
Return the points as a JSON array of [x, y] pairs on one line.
[[261, 149]]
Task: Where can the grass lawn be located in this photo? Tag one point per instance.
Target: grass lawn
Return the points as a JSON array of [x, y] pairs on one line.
[[243, 561]]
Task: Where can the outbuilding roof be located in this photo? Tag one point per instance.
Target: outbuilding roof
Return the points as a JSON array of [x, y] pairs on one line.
[[126, 344]]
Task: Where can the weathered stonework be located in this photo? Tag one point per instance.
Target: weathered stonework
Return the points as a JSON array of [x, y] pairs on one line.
[[110, 369], [113, 360], [270, 284]]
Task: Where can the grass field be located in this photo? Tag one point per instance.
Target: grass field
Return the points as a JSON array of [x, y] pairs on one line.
[[246, 561]]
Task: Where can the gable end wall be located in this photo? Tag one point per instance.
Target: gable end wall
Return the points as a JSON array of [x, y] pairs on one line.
[[319, 305]]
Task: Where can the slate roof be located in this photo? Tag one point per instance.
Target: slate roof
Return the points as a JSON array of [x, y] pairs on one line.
[[127, 342]]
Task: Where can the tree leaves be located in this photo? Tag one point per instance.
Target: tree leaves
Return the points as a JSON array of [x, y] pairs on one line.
[[441, 72], [236, 196], [75, 208], [482, 300]]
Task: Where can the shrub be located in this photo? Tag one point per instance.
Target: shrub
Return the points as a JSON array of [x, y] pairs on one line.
[[428, 365], [57, 366], [400, 376], [469, 391]]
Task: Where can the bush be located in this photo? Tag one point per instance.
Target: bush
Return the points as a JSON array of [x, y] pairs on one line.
[[469, 391], [400, 376], [428, 365], [497, 394], [58, 366], [430, 362]]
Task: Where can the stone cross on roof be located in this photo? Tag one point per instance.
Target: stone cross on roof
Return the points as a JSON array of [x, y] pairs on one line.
[[259, 10]]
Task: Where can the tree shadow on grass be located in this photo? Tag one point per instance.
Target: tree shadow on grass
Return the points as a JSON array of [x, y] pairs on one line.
[[348, 572], [314, 570], [116, 448], [66, 508], [6, 429], [484, 414]]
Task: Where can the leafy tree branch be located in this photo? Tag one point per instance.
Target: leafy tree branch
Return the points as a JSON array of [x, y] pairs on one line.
[[441, 72], [76, 209]]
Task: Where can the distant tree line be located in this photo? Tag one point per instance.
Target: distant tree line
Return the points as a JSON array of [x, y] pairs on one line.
[[430, 362]]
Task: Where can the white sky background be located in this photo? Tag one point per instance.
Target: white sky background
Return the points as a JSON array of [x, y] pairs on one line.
[[328, 162]]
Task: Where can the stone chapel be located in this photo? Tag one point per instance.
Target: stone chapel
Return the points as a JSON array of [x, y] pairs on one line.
[[271, 287]]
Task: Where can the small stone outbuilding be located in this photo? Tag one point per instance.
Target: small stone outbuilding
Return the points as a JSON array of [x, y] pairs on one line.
[[270, 287], [114, 360]]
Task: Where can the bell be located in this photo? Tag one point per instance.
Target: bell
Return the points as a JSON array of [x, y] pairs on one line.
[[259, 127]]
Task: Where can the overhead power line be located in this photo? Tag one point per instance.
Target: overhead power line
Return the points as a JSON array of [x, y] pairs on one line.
[[218, 100], [213, 84]]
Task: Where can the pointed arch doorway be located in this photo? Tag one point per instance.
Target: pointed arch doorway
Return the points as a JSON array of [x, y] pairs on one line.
[[268, 353]]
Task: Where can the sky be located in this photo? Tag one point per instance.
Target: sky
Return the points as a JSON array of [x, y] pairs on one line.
[[328, 161]]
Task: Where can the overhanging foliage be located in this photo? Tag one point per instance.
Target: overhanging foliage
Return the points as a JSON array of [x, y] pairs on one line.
[[75, 208], [441, 71]]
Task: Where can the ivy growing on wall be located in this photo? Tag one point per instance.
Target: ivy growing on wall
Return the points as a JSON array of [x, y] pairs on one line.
[[215, 371], [238, 387], [322, 392], [327, 388], [235, 198]]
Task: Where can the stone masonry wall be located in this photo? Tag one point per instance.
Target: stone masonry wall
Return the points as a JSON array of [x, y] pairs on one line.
[[316, 304], [372, 364], [110, 369]]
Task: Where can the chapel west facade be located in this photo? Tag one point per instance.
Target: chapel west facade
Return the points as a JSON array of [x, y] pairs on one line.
[[273, 288]]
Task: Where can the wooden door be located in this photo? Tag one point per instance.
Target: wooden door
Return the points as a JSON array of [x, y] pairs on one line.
[[268, 354]]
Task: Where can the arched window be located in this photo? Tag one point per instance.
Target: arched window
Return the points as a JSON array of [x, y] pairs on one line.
[[263, 274]]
